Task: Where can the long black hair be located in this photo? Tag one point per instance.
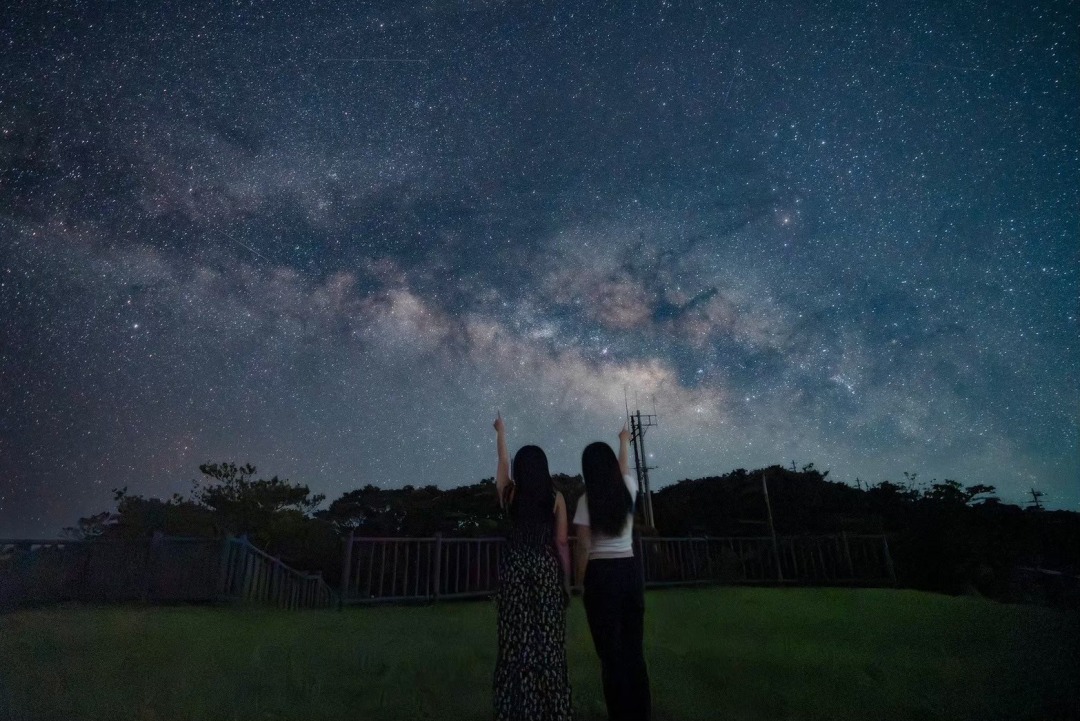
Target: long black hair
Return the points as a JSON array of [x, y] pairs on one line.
[[609, 498], [533, 495]]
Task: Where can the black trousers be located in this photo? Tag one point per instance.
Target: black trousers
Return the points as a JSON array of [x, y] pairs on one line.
[[615, 608]]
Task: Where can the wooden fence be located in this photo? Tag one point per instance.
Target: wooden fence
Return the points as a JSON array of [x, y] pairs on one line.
[[162, 569], [399, 569], [166, 569], [838, 559], [248, 574]]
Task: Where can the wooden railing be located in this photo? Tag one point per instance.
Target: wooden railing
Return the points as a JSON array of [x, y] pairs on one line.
[[400, 569], [837, 559], [108, 571], [161, 569], [165, 569], [253, 576]]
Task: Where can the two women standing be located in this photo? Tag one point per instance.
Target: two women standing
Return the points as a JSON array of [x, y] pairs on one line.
[[531, 680]]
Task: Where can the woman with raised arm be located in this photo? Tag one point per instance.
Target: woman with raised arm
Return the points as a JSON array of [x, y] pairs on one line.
[[531, 680], [614, 584]]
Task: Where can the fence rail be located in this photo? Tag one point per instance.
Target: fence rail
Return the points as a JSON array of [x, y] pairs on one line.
[[398, 569], [161, 569], [251, 575], [166, 569]]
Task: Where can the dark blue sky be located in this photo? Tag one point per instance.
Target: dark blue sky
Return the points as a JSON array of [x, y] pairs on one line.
[[333, 241]]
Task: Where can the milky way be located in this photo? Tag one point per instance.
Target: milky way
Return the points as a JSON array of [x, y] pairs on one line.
[[332, 242]]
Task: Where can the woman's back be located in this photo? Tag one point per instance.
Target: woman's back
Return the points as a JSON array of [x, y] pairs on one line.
[[534, 534], [613, 582], [531, 679]]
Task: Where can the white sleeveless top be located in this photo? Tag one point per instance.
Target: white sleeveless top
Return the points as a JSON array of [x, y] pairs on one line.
[[620, 546]]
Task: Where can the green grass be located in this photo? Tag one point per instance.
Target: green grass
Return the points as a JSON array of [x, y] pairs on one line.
[[731, 653]]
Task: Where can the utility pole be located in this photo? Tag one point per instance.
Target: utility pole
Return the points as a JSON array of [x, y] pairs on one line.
[[638, 424], [772, 529], [1035, 496]]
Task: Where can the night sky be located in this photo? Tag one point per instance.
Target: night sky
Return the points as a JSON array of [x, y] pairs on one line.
[[331, 240]]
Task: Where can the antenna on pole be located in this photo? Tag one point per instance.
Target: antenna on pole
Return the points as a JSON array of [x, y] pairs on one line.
[[638, 424]]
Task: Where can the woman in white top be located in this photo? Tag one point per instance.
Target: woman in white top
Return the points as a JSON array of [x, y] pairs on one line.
[[614, 584]]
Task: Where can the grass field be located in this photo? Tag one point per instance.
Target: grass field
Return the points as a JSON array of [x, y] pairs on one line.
[[723, 653]]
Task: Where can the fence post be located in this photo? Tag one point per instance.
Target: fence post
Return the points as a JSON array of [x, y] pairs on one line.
[[847, 555], [346, 568], [888, 558], [247, 585], [436, 573], [710, 571], [151, 564], [223, 571], [79, 592]]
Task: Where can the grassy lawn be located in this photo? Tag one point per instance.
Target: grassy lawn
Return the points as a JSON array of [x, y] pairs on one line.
[[730, 653]]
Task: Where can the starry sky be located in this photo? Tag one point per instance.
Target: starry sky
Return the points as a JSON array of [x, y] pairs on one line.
[[333, 239]]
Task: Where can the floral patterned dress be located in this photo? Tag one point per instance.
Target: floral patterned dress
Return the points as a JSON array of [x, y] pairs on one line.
[[531, 680]]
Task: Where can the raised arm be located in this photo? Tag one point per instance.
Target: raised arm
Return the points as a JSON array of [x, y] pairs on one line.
[[624, 450], [502, 470]]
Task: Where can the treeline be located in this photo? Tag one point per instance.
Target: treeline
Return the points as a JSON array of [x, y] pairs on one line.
[[944, 536], [285, 519]]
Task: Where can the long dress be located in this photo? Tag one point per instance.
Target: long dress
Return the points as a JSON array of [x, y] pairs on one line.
[[531, 681]]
